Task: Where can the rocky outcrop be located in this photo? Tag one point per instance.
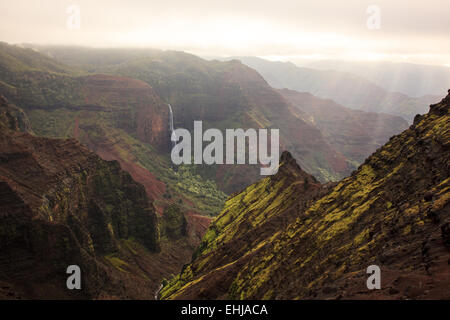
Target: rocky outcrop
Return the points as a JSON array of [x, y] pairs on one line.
[[393, 212], [13, 118], [174, 223]]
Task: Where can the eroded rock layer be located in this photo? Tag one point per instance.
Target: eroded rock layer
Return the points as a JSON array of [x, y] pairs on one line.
[[62, 205]]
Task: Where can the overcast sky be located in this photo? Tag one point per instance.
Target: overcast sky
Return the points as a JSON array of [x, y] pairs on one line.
[[412, 31]]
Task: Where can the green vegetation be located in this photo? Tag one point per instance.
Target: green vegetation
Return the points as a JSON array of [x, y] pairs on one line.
[[54, 97], [99, 128], [384, 213], [221, 94]]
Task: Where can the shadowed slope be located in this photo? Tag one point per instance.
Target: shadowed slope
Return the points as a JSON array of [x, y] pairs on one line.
[[63, 205]]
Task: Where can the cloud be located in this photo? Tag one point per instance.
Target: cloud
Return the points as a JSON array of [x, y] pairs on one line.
[[283, 27]]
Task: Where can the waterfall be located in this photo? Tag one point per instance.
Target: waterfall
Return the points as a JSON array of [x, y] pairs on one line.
[[173, 137]]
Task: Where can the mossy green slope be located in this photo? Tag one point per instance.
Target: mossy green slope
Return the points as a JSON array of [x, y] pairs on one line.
[[249, 221], [392, 212]]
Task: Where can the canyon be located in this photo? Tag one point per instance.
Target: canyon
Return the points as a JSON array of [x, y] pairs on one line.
[[86, 177]]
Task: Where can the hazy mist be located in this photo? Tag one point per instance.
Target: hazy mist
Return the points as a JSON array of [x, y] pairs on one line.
[[409, 31]]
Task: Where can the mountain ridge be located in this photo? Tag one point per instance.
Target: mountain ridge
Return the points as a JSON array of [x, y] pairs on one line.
[[345, 88], [393, 211], [412, 79]]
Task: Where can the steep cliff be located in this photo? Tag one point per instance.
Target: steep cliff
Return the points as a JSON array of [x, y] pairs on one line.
[[62, 205], [393, 211]]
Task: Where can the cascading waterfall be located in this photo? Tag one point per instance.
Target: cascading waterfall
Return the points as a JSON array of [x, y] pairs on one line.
[[173, 137]]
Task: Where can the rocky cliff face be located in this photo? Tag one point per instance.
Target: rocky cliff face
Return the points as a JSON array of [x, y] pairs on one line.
[[392, 212], [13, 118], [139, 111], [62, 205]]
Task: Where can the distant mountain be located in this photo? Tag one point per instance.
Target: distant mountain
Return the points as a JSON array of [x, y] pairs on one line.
[[356, 134], [345, 88], [414, 80], [14, 59], [288, 237], [222, 95], [90, 59]]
